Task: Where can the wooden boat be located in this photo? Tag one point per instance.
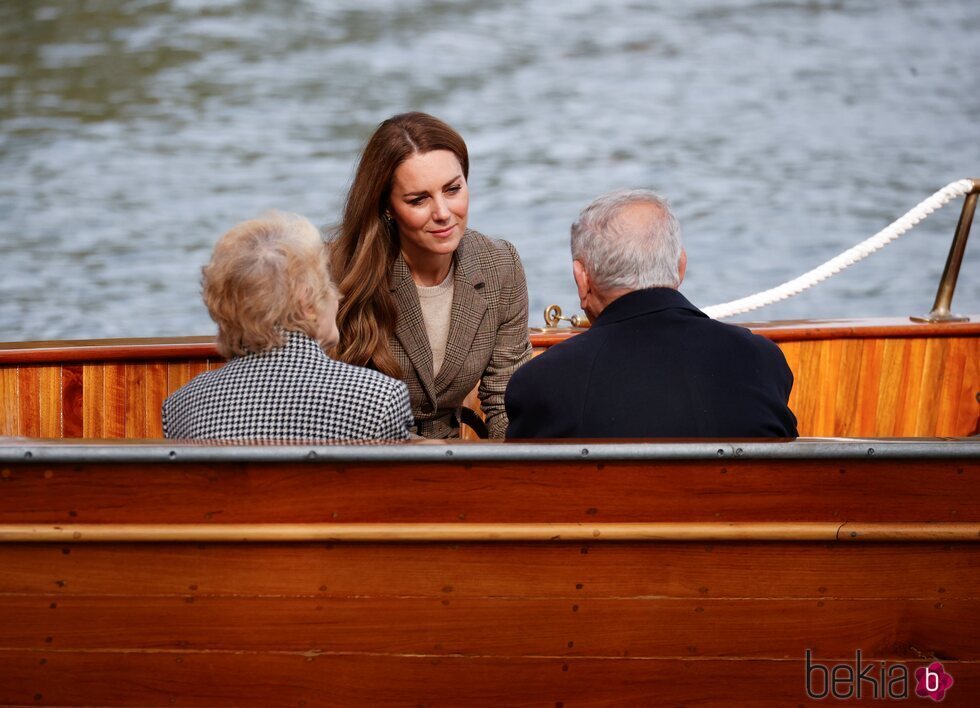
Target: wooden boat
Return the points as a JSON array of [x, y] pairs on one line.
[[138, 571]]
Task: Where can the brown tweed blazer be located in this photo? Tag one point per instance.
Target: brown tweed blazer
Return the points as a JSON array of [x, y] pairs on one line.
[[488, 336]]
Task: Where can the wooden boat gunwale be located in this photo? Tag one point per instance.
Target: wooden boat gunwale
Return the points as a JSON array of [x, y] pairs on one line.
[[197, 346]]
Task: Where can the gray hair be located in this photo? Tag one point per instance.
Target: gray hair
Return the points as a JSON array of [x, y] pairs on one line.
[[617, 254], [262, 276]]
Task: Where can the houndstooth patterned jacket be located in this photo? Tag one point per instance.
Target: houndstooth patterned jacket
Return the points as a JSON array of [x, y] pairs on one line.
[[488, 336], [295, 392]]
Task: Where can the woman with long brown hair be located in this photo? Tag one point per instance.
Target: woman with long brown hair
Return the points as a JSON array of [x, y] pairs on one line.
[[426, 299]]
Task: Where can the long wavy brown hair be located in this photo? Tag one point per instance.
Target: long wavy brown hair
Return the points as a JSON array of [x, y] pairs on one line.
[[366, 243]]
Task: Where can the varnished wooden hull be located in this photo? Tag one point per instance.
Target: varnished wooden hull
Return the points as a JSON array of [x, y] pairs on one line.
[[738, 558], [642, 573]]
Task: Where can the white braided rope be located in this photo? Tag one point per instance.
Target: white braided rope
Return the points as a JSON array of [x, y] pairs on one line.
[[849, 257]]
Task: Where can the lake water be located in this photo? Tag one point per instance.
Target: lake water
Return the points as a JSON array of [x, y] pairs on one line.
[[133, 133]]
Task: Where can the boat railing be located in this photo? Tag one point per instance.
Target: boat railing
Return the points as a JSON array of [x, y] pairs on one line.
[[941, 311], [941, 308]]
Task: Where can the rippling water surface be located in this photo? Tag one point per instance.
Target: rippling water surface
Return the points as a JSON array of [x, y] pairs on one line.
[[134, 133]]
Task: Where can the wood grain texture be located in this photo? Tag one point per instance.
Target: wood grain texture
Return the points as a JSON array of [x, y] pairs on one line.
[[49, 401], [860, 328], [934, 361], [967, 415], [93, 401], [93, 350], [848, 388], [682, 623], [72, 401], [885, 387], [203, 347], [508, 623], [198, 367], [911, 382], [499, 627], [178, 374], [864, 416], [29, 393], [10, 400], [114, 410], [156, 393], [496, 532], [951, 389], [933, 572], [860, 491], [136, 409], [275, 679], [852, 386]]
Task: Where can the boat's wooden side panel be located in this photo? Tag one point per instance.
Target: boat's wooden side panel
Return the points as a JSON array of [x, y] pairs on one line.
[[30, 410], [72, 401], [485, 623], [419, 637], [10, 400], [814, 571], [103, 400], [906, 385], [489, 626], [727, 490], [140, 679]]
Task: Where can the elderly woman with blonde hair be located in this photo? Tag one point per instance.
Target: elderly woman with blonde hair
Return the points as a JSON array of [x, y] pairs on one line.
[[269, 290]]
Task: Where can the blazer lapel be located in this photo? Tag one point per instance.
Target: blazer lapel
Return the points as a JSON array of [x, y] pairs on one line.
[[410, 329], [469, 308]]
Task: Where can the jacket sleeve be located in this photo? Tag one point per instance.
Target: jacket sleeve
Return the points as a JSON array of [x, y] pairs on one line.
[[512, 346], [396, 419]]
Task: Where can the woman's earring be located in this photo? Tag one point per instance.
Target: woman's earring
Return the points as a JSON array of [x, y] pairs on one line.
[[389, 219]]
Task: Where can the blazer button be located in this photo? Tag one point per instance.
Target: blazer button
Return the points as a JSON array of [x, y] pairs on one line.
[[427, 408]]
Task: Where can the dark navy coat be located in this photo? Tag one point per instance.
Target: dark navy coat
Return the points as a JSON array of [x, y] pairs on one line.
[[654, 366]]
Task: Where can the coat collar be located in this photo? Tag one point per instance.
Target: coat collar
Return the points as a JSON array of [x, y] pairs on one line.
[[644, 302], [468, 310]]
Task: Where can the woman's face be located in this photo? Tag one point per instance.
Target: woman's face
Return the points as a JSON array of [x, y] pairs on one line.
[[429, 202]]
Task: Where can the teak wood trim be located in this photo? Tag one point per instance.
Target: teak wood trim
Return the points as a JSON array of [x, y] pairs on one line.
[[151, 349], [203, 347], [849, 385], [489, 532]]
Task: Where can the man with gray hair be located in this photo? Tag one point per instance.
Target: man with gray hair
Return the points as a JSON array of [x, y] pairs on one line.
[[652, 365]]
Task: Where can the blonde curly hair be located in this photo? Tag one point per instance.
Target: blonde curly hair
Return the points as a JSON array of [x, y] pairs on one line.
[[266, 276]]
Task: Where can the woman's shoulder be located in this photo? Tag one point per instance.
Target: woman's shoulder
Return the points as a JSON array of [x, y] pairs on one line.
[[490, 255], [479, 242]]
